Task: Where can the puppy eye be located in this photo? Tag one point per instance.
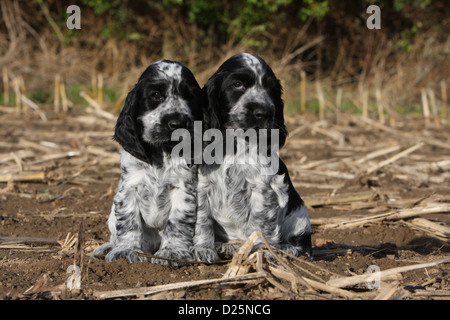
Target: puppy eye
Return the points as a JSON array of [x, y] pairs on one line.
[[156, 96], [238, 85]]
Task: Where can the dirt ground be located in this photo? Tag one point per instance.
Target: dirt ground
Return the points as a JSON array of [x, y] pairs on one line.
[[63, 172]]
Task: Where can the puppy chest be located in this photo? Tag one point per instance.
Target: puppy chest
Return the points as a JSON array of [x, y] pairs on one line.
[[153, 206], [241, 191]]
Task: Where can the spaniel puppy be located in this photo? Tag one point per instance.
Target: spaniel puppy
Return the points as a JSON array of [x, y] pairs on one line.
[[154, 210], [243, 197]]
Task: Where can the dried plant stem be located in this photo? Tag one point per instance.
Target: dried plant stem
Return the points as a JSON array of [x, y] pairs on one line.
[[391, 216], [56, 93], [379, 105], [434, 108], [100, 88], [318, 285], [387, 292], [94, 84], [18, 94], [34, 106], [338, 199], [51, 21], [65, 104], [321, 99], [392, 114], [425, 107], [182, 261], [302, 91], [300, 279], [175, 286], [444, 98], [339, 104], [364, 100], [97, 108], [377, 153], [434, 229], [22, 85], [350, 281], [23, 176], [91, 101], [377, 125], [395, 158], [5, 86], [241, 254], [29, 240], [123, 95], [330, 174]]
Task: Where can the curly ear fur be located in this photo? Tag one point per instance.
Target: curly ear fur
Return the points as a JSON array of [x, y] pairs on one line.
[[128, 131]]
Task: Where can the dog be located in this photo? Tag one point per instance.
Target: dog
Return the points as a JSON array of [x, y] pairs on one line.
[[154, 209], [245, 94]]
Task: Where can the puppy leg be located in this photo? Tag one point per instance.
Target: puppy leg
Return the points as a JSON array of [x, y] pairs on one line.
[[203, 248], [178, 233], [296, 229], [126, 228], [264, 213], [101, 251]]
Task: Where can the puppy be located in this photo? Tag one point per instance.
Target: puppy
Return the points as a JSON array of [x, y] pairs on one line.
[[154, 210], [243, 197]]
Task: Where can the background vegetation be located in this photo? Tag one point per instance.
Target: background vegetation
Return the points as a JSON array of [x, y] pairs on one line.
[[326, 39]]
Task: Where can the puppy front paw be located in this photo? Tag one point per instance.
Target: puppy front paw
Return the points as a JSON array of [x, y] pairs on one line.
[[101, 251], [226, 250], [173, 254], [128, 254], [205, 254]]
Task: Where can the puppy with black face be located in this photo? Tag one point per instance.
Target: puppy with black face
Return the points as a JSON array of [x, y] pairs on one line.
[[241, 197], [154, 210]]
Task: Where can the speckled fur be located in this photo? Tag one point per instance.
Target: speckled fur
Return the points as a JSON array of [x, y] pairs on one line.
[[242, 198], [154, 209]]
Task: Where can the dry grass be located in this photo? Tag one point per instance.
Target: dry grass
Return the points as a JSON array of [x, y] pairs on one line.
[[389, 78], [386, 74]]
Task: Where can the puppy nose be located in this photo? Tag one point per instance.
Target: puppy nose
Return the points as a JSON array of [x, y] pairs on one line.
[[261, 113], [176, 124], [177, 121]]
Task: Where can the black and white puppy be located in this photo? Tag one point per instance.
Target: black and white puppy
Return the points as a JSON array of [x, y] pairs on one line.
[[154, 210], [241, 198]]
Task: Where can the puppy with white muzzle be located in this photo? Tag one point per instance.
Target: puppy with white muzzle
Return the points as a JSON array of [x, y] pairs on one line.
[[154, 210], [242, 197]]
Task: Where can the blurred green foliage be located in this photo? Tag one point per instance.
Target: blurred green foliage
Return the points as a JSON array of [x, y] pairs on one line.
[[235, 18]]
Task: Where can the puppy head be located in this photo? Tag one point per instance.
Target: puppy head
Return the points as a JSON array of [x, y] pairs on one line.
[[244, 93], [167, 97]]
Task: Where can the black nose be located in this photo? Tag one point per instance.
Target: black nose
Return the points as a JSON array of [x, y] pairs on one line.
[[175, 124], [261, 113], [178, 121]]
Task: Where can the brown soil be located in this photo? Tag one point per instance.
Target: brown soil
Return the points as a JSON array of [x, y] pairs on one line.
[[78, 190]]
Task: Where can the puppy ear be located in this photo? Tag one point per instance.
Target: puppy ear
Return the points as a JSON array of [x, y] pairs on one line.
[[211, 112], [127, 130], [279, 113]]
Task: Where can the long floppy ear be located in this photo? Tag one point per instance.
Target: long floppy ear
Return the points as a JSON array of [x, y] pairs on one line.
[[211, 112], [127, 130], [279, 113]]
